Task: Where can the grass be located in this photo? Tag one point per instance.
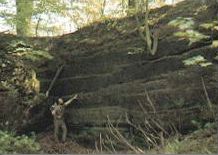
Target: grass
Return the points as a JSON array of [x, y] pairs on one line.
[[201, 141]]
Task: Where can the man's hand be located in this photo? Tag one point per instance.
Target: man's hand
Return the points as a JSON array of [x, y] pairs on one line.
[[70, 100], [47, 93], [76, 96]]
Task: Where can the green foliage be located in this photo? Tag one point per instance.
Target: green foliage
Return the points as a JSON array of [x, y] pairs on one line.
[[179, 103], [215, 44], [2, 1], [89, 12], [13, 72], [194, 60], [111, 24], [192, 35], [209, 25], [197, 60], [26, 52], [216, 58], [17, 43], [26, 10], [9, 143], [38, 55], [186, 28], [172, 146], [182, 23], [210, 125], [16, 65], [135, 50], [197, 123], [23, 17], [48, 6], [203, 140]]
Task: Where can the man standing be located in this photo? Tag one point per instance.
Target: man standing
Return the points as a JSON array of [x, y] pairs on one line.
[[57, 111]]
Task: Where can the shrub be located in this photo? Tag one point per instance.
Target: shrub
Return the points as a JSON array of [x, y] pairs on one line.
[[9, 143]]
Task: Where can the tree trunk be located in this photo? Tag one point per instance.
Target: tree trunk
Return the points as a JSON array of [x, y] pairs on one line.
[[23, 17], [131, 5], [103, 8]]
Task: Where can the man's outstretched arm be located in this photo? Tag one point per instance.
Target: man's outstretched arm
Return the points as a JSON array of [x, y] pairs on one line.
[[70, 100]]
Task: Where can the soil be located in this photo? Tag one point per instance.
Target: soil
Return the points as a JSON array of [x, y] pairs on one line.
[[48, 145]]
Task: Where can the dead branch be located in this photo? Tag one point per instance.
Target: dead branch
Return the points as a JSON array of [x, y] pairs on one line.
[[96, 147], [100, 142], [149, 101], [54, 79], [107, 148], [149, 126], [139, 128], [159, 126], [142, 107], [111, 143], [206, 93], [121, 138]]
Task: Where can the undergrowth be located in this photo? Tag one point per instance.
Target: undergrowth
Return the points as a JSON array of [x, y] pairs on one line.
[[10, 143], [201, 141]]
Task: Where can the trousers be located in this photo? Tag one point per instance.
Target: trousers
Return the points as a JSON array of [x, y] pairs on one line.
[[59, 123]]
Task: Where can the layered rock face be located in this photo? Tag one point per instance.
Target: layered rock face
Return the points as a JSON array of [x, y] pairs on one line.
[[108, 66]]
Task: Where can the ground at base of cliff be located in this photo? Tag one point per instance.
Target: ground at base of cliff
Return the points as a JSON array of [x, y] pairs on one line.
[[48, 145], [203, 140]]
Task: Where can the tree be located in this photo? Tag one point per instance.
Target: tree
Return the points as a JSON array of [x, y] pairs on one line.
[[131, 6], [23, 16], [86, 12], [28, 14], [103, 8], [151, 40], [48, 8], [131, 3]]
